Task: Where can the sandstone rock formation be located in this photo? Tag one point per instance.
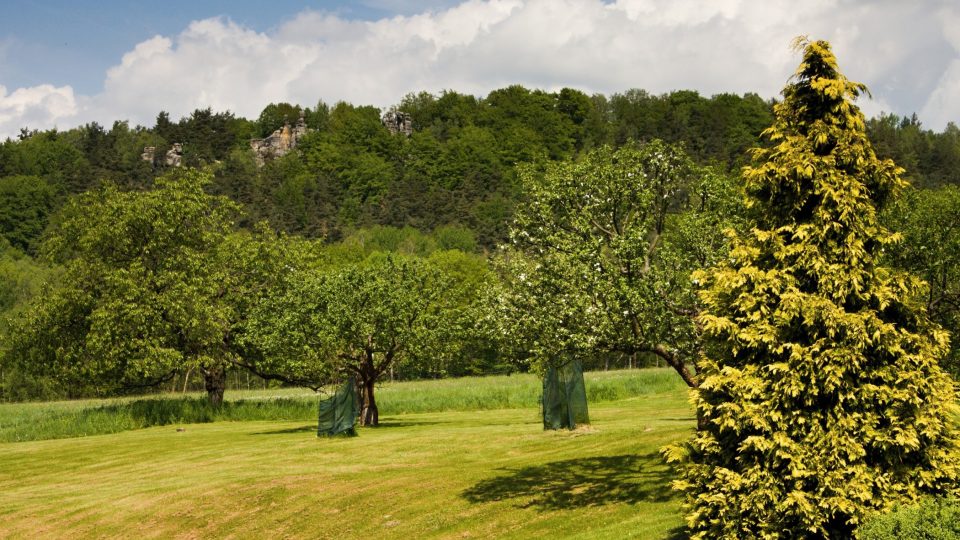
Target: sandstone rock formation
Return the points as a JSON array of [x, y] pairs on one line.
[[175, 155], [280, 142], [398, 122]]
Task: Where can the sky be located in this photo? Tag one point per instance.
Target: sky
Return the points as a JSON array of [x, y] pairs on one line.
[[65, 63]]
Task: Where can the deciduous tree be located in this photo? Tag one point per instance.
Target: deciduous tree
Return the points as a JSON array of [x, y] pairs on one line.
[[598, 265], [929, 220], [359, 320], [142, 294]]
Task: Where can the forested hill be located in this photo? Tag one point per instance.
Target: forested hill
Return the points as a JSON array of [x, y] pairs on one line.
[[457, 166]]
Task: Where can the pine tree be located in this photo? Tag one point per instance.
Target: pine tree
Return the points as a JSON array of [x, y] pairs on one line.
[[822, 399]]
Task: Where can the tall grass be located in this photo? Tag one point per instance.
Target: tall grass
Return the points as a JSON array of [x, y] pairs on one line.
[[37, 421], [55, 420], [515, 391]]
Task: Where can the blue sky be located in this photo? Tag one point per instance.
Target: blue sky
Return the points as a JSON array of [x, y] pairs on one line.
[[66, 63], [74, 42]]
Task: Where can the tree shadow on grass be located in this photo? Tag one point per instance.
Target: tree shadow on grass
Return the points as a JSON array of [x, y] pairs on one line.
[[387, 424], [301, 429], [313, 427], [577, 483], [162, 411], [677, 533]]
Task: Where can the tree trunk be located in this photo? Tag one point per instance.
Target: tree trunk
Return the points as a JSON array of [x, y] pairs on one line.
[[677, 364], [186, 380], [215, 381], [369, 415]]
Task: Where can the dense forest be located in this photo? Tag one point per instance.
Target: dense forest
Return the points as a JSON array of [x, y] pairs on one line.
[[458, 207]]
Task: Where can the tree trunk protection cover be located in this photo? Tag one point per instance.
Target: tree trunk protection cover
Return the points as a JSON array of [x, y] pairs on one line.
[[564, 398], [338, 414]]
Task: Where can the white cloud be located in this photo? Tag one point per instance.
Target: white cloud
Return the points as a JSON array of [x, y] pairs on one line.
[[902, 50], [37, 106], [943, 105]]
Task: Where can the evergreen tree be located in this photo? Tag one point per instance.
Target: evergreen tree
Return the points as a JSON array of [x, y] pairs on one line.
[[821, 397]]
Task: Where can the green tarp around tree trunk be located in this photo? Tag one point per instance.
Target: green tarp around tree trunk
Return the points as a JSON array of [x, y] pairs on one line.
[[564, 398], [338, 414]]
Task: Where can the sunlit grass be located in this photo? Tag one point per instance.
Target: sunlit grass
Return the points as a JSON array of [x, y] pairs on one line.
[[450, 474]]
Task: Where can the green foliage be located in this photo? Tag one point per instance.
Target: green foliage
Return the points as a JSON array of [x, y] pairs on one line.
[[441, 115], [606, 244], [21, 280], [932, 519], [25, 202], [275, 115], [141, 296], [455, 237], [317, 118], [930, 159], [821, 398], [719, 129], [51, 157], [238, 178], [206, 136], [583, 113], [359, 244], [253, 268], [929, 221], [36, 421], [361, 319], [407, 241], [525, 120], [115, 155], [458, 167], [351, 181], [473, 351], [358, 155]]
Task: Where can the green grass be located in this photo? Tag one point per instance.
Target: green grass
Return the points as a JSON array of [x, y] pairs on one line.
[[38, 421], [452, 474]]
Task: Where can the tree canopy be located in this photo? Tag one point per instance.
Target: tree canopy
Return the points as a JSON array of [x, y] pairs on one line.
[[821, 397], [360, 320], [140, 296], [929, 221], [604, 253]]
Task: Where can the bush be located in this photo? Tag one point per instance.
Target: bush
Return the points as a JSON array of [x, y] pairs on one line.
[[932, 519], [15, 385]]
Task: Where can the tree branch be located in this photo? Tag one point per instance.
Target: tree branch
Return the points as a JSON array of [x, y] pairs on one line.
[[271, 376], [153, 382]]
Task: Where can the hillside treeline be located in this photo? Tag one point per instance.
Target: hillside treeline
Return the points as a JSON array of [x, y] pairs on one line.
[[453, 187]]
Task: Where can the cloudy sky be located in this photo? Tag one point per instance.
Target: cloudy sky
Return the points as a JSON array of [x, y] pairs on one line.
[[64, 63]]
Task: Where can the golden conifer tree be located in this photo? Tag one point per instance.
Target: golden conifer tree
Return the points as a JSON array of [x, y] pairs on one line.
[[821, 396]]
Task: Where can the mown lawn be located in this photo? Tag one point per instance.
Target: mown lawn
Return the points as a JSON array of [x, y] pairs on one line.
[[454, 474]]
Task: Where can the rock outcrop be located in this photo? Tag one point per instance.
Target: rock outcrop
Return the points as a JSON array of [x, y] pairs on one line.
[[280, 142], [398, 122], [175, 155]]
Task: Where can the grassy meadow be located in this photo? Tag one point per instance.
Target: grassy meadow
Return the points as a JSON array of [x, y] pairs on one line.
[[54, 420], [461, 458]]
